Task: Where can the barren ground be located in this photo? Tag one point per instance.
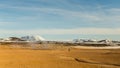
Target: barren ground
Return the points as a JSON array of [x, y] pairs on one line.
[[60, 58]]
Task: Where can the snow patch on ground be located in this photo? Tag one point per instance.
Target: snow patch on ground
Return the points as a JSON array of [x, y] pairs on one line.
[[107, 47]]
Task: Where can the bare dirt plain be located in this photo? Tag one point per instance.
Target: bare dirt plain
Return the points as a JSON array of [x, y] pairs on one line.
[[59, 58]]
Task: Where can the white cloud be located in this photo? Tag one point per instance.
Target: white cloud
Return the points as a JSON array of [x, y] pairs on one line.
[[91, 16], [100, 31], [115, 9], [6, 23], [99, 15], [62, 12]]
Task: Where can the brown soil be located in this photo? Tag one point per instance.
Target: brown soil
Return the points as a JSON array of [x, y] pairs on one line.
[[60, 58]]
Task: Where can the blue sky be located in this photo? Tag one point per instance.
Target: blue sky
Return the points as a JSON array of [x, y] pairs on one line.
[[61, 19]]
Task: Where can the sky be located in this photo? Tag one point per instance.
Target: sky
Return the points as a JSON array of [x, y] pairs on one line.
[[61, 19]]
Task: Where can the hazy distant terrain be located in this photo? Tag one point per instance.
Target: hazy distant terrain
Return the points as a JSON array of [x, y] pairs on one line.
[[62, 57]]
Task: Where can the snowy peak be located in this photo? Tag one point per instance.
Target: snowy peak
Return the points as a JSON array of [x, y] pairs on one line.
[[33, 38]]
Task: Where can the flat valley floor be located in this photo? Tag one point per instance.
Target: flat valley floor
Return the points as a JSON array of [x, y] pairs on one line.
[[59, 58]]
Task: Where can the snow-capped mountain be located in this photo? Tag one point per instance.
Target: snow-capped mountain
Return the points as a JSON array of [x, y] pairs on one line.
[[33, 38]]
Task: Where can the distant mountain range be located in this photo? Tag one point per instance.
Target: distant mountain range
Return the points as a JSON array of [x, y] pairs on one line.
[[33, 38], [24, 38]]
